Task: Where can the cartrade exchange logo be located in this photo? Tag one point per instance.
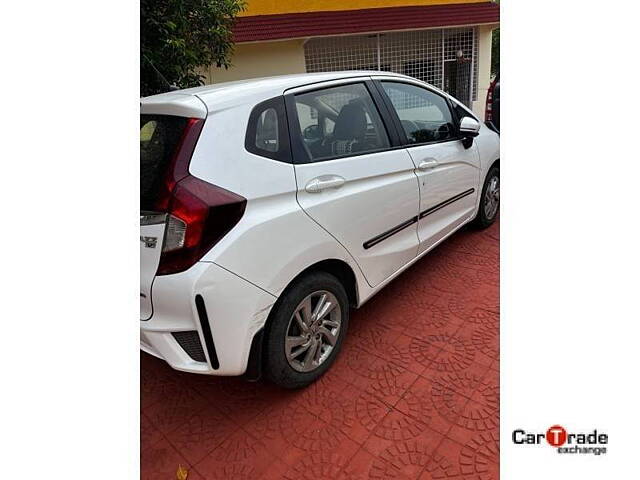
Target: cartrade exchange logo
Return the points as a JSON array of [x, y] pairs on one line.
[[593, 442]]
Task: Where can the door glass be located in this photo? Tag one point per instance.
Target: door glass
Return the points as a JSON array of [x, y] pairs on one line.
[[329, 125], [267, 131], [340, 121], [424, 115], [159, 138]]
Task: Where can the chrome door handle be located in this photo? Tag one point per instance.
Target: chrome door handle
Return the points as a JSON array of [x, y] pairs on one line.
[[427, 164], [324, 182]]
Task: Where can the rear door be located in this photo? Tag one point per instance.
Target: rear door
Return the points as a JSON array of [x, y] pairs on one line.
[[352, 177], [448, 172]]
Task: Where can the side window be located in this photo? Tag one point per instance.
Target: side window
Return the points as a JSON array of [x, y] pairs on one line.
[[266, 131], [339, 121], [329, 125], [425, 116]]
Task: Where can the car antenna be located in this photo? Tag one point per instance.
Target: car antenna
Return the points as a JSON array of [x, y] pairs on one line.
[[171, 87]]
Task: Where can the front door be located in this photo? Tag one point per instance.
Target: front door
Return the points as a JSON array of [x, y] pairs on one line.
[[349, 178], [448, 173]]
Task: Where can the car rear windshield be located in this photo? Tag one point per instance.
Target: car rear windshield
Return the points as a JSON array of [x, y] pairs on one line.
[[159, 138]]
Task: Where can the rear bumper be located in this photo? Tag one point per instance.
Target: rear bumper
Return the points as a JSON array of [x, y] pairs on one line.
[[235, 311]]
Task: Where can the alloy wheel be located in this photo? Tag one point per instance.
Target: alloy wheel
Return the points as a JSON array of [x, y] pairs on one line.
[[313, 331], [492, 198]]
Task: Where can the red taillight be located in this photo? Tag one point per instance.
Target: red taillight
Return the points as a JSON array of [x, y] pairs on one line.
[[179, 166], [487, 112], [200, 213]]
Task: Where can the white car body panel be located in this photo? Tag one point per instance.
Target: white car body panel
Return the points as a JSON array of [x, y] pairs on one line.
[[349, 212], [488, 147], [274, 228], [218, 160], [284, 229], [236, 310], [456, 171], [174, 103], [282, 240]]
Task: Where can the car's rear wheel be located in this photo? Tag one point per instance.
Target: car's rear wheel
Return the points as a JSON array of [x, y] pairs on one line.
[[306, 330], [490, 200]]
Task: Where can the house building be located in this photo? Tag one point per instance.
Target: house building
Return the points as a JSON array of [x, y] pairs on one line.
[[444, 42]]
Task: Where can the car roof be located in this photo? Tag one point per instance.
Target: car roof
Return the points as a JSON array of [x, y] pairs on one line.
[[222, 95]]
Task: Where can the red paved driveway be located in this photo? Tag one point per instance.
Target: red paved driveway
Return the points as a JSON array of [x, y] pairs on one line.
[[414, 393]]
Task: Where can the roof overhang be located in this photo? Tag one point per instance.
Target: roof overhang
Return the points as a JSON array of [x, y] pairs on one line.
[[315, 24]]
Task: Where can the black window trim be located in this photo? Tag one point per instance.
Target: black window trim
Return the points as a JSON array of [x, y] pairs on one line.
[[469, 112], [298, 150], [396, 120], [283, 154]]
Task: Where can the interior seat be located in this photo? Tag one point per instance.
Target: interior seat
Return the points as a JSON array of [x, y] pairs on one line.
[[349, 131]]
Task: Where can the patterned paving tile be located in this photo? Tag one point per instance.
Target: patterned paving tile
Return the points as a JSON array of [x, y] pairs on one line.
[[424, 403], [175, 409], [413, 395], [201, 433], [403, 460], [236, 398], [295, 433], [397, 428], [161, 461], [477, 459], [149, 435], [240, 455]]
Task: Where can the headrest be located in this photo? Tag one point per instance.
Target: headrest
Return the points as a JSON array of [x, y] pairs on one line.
[[351, 123]]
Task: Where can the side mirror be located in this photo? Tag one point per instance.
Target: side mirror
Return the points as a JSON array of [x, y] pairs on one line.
[[469, 127]]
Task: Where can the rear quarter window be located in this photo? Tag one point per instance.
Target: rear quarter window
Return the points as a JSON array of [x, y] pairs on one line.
[[267, 133]]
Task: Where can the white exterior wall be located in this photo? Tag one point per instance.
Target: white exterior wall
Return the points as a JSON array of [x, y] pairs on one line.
[[484, 68]]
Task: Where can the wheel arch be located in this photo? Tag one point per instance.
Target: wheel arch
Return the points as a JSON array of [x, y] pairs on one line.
[[336, 267], [339, 269]]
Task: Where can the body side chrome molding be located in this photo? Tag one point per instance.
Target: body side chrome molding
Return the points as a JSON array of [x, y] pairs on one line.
[[440, 205], [398, 228], [405, 267], [383, 236]]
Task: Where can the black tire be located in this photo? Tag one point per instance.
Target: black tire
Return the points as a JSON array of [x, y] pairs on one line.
[[277, 367], [482, 220]]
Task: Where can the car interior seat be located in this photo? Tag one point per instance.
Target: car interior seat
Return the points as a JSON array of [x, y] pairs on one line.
[[349, 131]]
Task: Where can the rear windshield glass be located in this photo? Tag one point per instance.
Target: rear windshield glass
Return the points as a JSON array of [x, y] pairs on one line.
[[159, 137]]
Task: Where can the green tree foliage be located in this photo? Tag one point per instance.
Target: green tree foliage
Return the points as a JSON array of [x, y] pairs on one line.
[[177, 37], [495, 52], [495, 48]]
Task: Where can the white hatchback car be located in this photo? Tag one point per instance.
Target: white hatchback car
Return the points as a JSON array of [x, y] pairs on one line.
[[269, 207]]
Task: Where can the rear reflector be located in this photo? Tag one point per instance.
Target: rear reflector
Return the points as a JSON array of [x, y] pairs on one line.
[[206, 332]]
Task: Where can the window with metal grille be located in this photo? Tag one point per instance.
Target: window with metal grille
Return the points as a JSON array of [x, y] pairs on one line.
[[446, 58]]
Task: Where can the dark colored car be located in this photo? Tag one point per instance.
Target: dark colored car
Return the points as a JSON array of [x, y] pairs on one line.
[[492, 112]]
